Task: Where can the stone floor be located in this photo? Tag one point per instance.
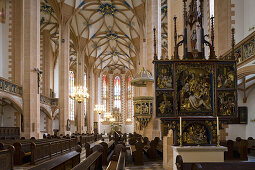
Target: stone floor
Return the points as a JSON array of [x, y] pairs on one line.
[[147, 166]]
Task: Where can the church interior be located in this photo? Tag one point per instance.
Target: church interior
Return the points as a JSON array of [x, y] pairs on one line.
[[127, 84]]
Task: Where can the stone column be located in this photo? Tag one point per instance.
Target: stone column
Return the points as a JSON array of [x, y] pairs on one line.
[[223, 26], [174, 9], [168, 151], [18, 41], [1, 114], [96, 116], [47, 63], [64, 40], [90, 107], [31, 49], [80, 106], [50, 126], [153, 14]]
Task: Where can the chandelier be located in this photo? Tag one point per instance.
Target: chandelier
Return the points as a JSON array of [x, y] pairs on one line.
[[79, 94], [99, 109]]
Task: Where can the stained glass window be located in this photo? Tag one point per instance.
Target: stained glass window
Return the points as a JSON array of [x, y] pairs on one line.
[[130, 99], [117, 92], [71, 101], [104, 92]]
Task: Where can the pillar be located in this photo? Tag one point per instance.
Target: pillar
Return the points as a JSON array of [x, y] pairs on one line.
[[80, 106], [50, 125], [47, 63], [18, 41], [168, 151], [31, 49], [222, 10], [64, 41], [174, 9], [96, 116], [153, 14], [90, 107], [1, 114]]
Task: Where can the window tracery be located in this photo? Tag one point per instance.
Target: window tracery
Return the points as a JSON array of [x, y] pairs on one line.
[[117, 93]]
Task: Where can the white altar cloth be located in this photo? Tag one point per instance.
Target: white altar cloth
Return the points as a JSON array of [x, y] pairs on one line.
[[199, 154]]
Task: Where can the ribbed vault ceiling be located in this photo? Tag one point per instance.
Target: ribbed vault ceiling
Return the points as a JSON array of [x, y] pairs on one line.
[[110, 30]]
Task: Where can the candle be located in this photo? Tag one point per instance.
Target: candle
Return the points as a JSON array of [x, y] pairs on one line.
[[180, 126], [218, 126]]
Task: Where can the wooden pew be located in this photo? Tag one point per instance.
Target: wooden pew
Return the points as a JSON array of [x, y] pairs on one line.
[[66, 161], [23, 148], [89, 147], [107, 151], [6, 158], [137, 153], [42, 151], [93, 161], [86, 139], [151, 151], [9, 132], [213, 165], [118, 159]]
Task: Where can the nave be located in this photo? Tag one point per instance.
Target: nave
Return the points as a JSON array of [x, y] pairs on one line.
[[171, 81]]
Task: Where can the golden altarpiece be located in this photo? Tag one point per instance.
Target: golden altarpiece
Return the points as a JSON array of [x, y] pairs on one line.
[[195, 87]]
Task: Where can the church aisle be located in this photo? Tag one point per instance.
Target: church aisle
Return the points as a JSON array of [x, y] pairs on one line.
[[148, 166]]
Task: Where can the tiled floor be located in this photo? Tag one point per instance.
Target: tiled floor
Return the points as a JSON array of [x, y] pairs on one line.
[[148, 166]]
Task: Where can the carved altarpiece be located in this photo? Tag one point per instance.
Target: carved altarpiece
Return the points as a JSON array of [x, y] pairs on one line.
[[196, 87]]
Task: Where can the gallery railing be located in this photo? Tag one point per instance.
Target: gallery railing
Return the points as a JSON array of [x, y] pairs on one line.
[[244, 50], [9, 87], [48, 101]]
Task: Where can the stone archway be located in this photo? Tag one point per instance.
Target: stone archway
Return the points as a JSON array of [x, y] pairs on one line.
[[46, 121], [10, 112]]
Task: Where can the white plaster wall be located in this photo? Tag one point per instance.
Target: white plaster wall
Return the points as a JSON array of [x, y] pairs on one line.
[[56, 123], [4, 45], [105, 129], [43, 117], [239, 19], [129, 128], [8, 116], [244, 18], [244, 130], [73, 129], [249, 14], [250, 128]]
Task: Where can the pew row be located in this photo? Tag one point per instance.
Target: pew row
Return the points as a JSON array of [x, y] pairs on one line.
[[6, 158], [66, 161], [118, 159], [93, 161], [213, 165]]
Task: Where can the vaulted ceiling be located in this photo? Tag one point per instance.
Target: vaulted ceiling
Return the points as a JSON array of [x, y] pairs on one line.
[[109, 29]]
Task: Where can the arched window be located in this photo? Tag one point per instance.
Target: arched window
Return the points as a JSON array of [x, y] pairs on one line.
[[211, 8], [104, 90], [117, 93], [71, 101], [130, 100]]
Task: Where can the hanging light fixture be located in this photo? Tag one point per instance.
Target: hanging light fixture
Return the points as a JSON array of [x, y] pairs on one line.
[[79, 93], [99, 109]]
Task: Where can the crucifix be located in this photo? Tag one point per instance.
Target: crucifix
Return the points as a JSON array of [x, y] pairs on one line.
[[39, 78]]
